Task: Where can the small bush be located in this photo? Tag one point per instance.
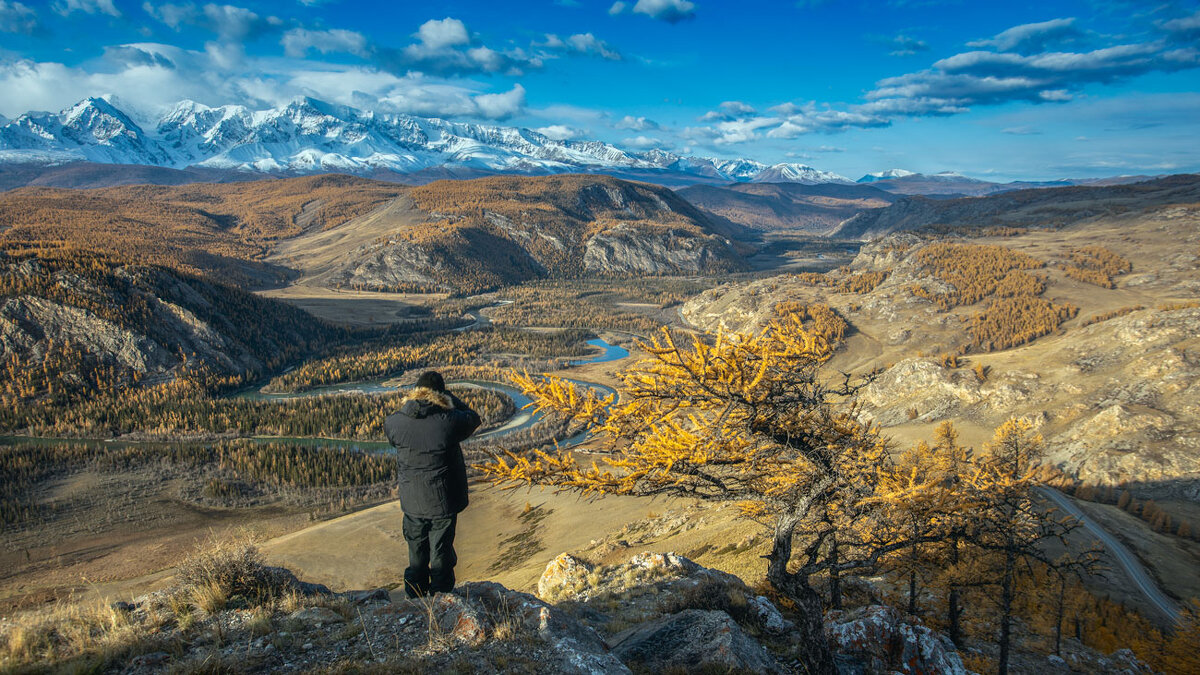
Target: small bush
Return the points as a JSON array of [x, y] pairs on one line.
[[233, 566]]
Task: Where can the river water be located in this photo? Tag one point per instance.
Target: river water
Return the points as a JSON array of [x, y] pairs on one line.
[[523, 419]]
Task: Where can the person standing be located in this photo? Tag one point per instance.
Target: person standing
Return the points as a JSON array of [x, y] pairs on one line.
[[427, 431]]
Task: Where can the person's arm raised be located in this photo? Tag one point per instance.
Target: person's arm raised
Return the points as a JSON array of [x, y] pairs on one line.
[[467, 420]]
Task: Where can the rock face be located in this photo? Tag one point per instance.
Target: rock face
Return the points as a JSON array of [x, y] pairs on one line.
[[882, 641], [694, 640], [625, 250], [476, 234], [479, 611], [144, 322], [660, 610]]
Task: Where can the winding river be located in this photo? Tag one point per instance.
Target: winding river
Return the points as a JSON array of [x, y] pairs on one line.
[[523, 419]]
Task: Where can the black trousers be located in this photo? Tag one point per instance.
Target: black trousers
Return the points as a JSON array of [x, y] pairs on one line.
[[431, 557]]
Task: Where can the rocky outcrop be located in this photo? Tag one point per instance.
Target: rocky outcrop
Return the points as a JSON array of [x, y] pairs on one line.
[[655, 612], [694, 640], [626, 250], [881, 640], [480, 627], [478, 234]]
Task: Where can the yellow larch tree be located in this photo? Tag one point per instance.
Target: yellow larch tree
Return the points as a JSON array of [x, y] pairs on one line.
[[1010, 525], [748, 419]]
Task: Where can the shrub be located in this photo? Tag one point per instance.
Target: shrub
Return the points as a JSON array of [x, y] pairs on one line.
[[233, 567]]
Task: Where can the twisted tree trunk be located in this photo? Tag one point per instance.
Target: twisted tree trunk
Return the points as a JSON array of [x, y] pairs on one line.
[[814, 646]]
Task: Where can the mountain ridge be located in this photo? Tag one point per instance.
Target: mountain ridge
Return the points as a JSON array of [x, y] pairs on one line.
[[310, 136]]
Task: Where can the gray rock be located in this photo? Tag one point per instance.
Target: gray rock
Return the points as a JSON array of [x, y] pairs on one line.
[[880, 638], [366, 597], [576, 647], [316, 616], [694, 639]]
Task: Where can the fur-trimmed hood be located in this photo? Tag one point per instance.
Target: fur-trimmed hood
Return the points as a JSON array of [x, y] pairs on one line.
[[418, 399]]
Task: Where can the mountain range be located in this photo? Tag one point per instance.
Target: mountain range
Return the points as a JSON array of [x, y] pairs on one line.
[[312, 136], [307, 136]]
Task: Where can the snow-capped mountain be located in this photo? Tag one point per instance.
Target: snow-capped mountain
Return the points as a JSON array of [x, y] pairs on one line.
[[309, 135], [886, 174], [797, 173]]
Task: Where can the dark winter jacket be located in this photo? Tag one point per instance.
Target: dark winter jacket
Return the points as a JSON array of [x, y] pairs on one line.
[[426, 432]]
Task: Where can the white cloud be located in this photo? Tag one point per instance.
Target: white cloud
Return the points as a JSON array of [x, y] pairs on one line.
[[617, 8], [443, 33], [238, 24], [87, 6], [731, 132], [637, 124], [501, 106], [671, 11], [644, 143], [152, 76], [729, 110], [231, 23], [1184, 28], [580, 43], [17, 18], [1032, 37], [173, 16], [586, 43], [298, 41], [560, 132], [905, 45], [445, 47]]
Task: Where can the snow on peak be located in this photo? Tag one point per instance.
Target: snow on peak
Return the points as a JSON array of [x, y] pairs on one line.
[[887, 174], [308, 134], [797, 173]]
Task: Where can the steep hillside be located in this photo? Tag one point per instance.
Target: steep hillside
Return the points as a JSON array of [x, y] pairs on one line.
[[971, 331], [224, 230], [1053, 207], [73, 323], [787, 206], [477, 234], [345, 231]]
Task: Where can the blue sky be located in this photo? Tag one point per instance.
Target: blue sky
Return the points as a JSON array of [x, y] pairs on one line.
[[1014, 90]]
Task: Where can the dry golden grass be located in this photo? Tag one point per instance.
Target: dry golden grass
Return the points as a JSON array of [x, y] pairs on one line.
[[211, 597], [79, 637]]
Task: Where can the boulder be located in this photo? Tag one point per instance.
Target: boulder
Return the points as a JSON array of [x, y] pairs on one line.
[[478, 610], [460, 619], [564, 572], [367, 597], [316, 616], [883, 641], [693, 640]]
